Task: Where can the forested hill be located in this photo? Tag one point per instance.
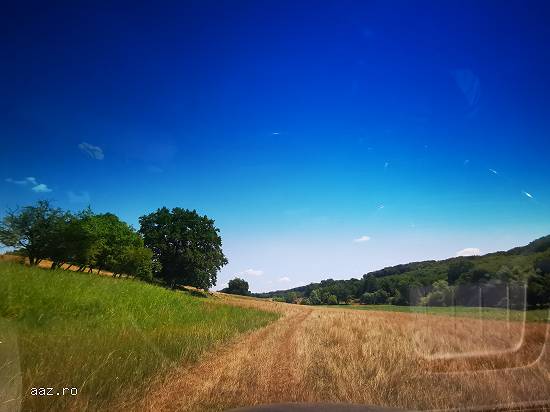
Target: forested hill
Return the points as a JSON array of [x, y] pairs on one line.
[[391, 285]]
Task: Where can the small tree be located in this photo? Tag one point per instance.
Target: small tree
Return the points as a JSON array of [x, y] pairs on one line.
[[381, 297], [332, 300], [291, 297], [136, 261], [441, 295], [110, 238], [33, 230], [237, 286], [315, 297], [368, 298]]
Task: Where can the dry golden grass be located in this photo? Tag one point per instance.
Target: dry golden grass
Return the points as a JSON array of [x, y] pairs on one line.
[[407, 360], [412, 361], [46, 264]]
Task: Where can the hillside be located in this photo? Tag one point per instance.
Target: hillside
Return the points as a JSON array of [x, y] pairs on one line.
[[392, 285], [106, 337]]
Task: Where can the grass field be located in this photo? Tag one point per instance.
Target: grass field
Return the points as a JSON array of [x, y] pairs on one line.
[[129, 346], [536, 315], [318, 354], [106, 337]]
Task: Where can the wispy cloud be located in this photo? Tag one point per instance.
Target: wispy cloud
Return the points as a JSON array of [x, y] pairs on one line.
[[381, 206], [469, 251], [493, 171], [95, 152], [275, 133], [252, 272], [284, 279], [386, 165], [25, 181], [529, 195], [78, 197], [32, 182], [362, 239]]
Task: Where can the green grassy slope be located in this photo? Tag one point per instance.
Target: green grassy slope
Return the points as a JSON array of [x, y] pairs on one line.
[[107, 337]]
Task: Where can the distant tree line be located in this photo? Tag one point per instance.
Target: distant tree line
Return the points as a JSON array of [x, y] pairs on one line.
[[176, 247], [496, 279]]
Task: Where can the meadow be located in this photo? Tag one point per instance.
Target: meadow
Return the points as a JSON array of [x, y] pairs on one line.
[[534, 315], [317, 354], [131, 346], [106, 337]]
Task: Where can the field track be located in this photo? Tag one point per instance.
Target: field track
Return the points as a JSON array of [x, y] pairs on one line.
[[380, 358]]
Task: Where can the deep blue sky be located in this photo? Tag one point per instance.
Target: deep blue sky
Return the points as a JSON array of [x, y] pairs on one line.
[[302, 128]]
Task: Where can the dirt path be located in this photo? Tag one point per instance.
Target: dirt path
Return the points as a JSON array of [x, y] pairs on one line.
[[262, 366], [336, 355]]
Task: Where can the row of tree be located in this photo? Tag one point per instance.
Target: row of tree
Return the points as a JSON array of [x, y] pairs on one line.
[[175, 246], [496, 279]]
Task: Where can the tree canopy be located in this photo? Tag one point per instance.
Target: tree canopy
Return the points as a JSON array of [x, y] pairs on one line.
[[84, 239], [35, 230], [237, 286], [187, 246]]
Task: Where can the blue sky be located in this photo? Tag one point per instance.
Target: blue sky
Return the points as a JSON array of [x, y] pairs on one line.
[[326, 139]]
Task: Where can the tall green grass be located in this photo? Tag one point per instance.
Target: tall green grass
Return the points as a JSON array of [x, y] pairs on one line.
[[107, 337], [536, 315]]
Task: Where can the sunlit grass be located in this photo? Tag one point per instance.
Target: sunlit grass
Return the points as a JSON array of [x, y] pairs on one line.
[[536, 315], [107, 337]]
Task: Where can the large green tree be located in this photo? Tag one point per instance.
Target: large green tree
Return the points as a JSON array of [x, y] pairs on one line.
[[188, 246]]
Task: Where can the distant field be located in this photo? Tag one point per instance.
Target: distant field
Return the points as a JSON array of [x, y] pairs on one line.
[[537, 315], [106, 337]]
